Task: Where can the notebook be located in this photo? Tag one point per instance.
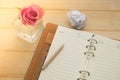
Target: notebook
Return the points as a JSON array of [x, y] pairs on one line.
[[85, 56]]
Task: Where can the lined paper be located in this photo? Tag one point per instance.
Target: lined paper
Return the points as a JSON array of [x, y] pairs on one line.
[[106, 64], [68, 63]]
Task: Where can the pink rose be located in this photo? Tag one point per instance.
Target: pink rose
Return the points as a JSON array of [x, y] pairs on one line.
[[31, 15]]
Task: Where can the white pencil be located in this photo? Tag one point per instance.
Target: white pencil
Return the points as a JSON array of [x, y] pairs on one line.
[[52, 57]]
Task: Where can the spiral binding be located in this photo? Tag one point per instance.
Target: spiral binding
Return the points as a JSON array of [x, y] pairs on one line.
[[84, 74]]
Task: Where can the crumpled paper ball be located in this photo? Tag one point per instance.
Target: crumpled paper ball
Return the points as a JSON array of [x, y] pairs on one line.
[[77, 19]]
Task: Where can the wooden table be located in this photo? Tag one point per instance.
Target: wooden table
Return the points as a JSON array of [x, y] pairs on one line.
[[103, 17]]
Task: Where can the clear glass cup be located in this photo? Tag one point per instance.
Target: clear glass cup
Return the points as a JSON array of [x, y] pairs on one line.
[[28, 32]]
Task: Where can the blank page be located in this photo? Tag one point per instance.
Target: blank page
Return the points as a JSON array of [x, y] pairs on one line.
[[68, 63]]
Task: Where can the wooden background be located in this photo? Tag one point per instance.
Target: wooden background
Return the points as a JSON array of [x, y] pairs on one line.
[[103, 17]]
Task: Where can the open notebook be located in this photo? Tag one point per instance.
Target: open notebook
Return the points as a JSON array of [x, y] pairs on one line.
[[85, 56]]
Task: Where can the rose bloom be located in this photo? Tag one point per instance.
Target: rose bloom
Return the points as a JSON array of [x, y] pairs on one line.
[[31, 15]]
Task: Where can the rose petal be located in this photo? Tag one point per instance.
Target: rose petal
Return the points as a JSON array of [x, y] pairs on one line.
[[39, 10], [21, 15], [29, 21], [30, 18], [30, 15], [24, 17], [29, 11]]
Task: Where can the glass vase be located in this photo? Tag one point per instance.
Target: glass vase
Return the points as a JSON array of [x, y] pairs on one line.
[[28, 32]]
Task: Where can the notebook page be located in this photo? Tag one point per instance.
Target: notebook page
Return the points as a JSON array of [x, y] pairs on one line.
[[71, 59], [101, 39], [106, 63]]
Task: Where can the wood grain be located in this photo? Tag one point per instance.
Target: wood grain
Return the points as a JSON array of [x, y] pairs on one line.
[[14, 64], [65, 4], [96, 20]]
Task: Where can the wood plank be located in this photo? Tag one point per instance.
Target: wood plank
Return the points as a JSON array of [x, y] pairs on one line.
[[10, 78], [81, 4], [66, 4], [16, 3], [7, 17], [9, 41], [14, 64], [96, 20]]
